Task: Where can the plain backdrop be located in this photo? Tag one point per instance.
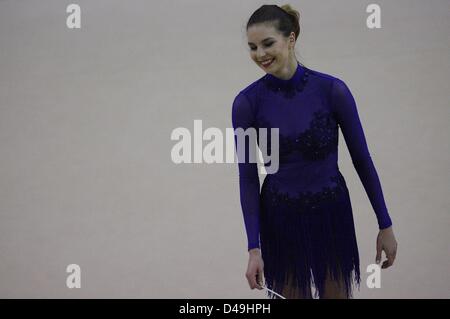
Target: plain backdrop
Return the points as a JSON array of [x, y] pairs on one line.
[[86, 175]]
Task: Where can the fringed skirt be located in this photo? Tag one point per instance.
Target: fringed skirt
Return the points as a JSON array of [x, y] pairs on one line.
[[308, 239]]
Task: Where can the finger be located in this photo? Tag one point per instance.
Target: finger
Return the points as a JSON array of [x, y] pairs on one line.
[[379, 250], [391, 258], [261, 278], [378, 256], [255, 280], [250, 280], [386, 264], [258, 282]]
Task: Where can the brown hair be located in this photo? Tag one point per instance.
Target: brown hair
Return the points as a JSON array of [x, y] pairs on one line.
[[285, 18]]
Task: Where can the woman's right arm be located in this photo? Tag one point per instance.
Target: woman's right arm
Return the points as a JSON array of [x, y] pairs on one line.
[[243, 116]]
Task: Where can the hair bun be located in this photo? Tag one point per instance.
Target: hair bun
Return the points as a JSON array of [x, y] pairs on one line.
[[291, 11]]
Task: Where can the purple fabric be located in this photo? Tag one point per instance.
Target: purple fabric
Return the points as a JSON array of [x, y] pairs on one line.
[[307, 109]]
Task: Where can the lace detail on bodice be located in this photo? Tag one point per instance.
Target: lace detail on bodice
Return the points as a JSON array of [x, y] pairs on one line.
[[315, 143], [288, 87], [306, 200]]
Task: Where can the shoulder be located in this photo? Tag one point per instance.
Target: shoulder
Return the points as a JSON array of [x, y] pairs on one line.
[[251, 89], [326, 80], [249, 94], [334, 87]]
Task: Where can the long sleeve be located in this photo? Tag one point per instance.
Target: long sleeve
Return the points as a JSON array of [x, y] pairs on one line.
[[249, 184], [345, 110]]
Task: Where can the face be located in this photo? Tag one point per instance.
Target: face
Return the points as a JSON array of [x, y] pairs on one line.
[[267, 45]]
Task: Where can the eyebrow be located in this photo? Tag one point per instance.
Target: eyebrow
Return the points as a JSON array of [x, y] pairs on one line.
[[262, 40]]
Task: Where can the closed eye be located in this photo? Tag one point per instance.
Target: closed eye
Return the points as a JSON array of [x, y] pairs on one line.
[[267, 45]]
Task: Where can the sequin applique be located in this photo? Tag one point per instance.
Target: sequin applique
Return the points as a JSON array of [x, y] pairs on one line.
[[307, 200], [290, 88], [315, 143]]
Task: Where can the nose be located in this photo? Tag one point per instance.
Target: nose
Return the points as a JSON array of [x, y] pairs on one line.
[[260, 54]]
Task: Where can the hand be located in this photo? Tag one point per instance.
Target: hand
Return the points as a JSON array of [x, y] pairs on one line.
[[386, 241], [255, 269]]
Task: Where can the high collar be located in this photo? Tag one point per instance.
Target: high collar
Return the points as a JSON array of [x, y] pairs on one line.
[[295, 83]]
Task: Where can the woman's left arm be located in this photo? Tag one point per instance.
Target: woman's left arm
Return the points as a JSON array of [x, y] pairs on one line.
[[344, 107]]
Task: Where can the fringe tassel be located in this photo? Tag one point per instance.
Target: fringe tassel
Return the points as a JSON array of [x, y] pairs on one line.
[[310, 243]]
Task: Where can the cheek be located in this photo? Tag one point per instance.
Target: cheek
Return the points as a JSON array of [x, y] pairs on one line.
[[274, 52]]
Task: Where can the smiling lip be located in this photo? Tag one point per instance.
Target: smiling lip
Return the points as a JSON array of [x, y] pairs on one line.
[[267, 65]]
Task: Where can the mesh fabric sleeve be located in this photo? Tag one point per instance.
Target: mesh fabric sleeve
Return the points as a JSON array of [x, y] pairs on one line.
[[345, 110], [243, 116]]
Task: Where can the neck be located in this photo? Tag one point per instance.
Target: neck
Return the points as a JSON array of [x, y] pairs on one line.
[[288, 71]]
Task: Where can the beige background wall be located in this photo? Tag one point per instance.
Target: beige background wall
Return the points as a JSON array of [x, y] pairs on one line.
[[86, 115]]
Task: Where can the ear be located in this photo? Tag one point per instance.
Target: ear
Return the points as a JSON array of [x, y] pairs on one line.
[[292, 38]]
